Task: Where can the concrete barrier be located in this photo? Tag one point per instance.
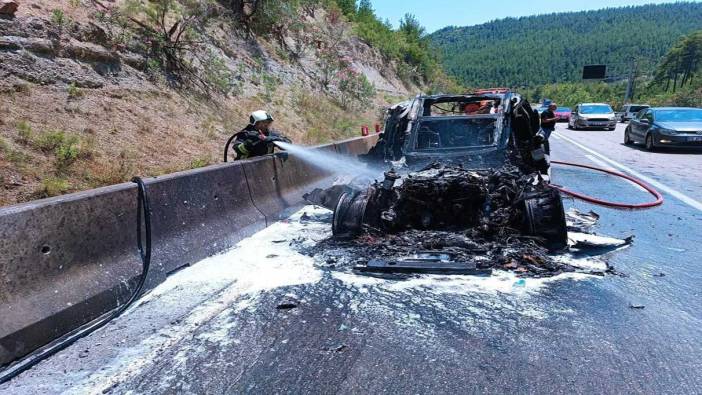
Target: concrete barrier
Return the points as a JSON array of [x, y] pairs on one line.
[[356, 146], [63, 262], [198, 213], [67, 260]]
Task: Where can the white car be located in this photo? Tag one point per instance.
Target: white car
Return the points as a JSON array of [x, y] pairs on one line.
[[592, 116], [629, 111]]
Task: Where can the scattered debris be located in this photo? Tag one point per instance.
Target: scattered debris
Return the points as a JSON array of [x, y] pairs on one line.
[[449, 220], [425, 262], [290, 302], [580, 221], [636, 306], [336, 348], [598, 244], [270, 256], [661, 274]]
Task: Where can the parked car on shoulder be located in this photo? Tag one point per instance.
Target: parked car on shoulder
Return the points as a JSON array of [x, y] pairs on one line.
[[592, 116], [629, 111], [659, 127], [563, 114]]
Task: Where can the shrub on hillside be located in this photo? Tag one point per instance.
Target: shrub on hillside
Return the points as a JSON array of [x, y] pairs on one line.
[[408, 45], [170, 33], [66, 154], [49, 141], [53, 186], [24, 132], [355, 91]]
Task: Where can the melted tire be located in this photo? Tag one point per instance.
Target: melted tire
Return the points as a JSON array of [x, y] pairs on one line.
[[544, 217], [349, 214]]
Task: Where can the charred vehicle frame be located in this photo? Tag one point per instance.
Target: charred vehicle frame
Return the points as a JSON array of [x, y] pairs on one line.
[[468, 164]]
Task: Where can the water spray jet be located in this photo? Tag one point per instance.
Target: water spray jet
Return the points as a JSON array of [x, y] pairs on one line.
[[331, 162]]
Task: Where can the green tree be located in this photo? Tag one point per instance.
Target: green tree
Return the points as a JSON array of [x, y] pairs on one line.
[[365, 11], [348, 7], [553, 48], [681, 63], [411, 28]]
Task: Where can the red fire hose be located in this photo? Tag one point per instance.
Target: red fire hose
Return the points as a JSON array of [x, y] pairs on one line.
[[648, 188]]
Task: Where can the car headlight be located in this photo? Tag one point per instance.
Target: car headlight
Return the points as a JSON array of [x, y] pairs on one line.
[[668, 131]]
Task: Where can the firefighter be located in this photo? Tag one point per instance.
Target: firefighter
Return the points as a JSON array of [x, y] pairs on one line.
[[257, 138]]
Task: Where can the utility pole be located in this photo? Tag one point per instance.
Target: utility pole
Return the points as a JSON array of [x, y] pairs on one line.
[[631, 81]]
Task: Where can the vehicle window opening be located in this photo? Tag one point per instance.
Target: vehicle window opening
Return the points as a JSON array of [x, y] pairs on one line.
[[455, 133]]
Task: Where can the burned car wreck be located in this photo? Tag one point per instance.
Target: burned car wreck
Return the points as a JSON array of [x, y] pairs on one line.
[[476, 131], [468, 192]]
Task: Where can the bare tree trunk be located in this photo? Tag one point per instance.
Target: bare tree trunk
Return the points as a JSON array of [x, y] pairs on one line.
[[675, 81]]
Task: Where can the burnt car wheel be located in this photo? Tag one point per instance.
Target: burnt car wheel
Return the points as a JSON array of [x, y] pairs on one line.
[[348, 215], [544, 217]]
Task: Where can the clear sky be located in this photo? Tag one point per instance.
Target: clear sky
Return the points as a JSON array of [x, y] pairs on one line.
[[435, 14]]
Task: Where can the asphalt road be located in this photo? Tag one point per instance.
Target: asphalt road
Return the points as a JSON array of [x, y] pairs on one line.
[[216, 327]]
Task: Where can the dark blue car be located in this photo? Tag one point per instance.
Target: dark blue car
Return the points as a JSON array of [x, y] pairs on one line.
[[659, 127]]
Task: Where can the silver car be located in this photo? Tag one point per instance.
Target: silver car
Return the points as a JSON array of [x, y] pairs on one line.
[[592, 116]]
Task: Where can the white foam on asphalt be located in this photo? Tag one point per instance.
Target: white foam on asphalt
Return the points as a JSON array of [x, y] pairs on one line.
[[471, 302], [499, 282], [233, 281], [257, 264], [261, 262]]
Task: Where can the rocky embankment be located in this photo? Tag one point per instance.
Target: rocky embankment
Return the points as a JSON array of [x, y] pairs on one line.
[[84, 103]]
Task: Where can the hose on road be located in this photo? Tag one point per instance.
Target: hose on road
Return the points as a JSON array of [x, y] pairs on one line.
[[590, 199], [78, 333]]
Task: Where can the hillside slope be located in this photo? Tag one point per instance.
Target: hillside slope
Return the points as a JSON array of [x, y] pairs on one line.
[[93, 92], [553, 48]]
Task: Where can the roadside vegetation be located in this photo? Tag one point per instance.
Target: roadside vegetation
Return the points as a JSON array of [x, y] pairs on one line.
[[676, 81], [552, 48], [542, 56], [158, 86], [408, 46], [176, 38]]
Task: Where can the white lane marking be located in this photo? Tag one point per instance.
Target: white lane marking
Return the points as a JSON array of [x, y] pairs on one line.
[[608, 167], [600, 163], [556, 136], [679, 195]]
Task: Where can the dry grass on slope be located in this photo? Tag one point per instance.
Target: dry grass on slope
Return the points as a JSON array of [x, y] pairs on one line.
[[57, 136]]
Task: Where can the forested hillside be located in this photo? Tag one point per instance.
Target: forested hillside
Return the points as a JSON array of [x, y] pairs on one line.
[[553, 48]]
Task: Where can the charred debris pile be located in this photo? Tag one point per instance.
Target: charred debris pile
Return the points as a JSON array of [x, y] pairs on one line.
[[482, 219]]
